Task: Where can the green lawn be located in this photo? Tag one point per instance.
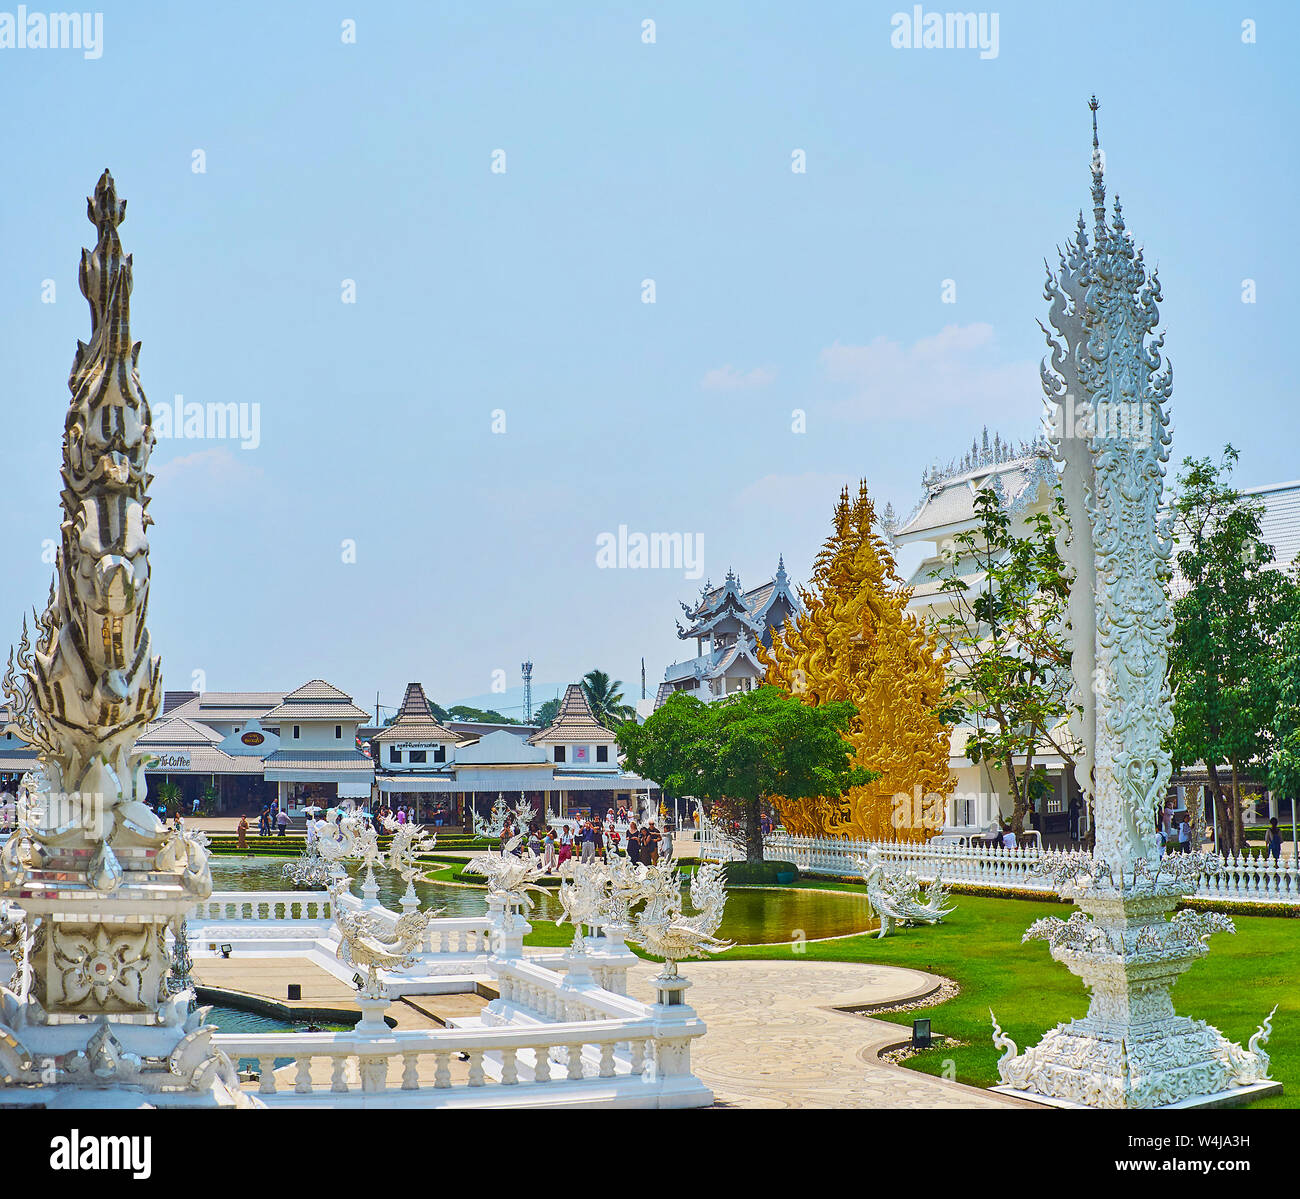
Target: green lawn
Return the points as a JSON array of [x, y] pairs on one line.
[[979, 947]]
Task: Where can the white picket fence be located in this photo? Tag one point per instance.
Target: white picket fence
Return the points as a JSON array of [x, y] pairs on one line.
[[1245, 879]]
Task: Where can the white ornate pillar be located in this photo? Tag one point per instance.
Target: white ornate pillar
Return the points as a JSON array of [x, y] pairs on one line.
[[98, 877], [1106, 389]]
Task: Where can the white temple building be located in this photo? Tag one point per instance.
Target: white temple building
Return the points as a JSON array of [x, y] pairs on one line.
[[731, 623], [1026, 479]]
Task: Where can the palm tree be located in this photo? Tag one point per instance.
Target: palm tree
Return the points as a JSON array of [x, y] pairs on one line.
[[605, 695]]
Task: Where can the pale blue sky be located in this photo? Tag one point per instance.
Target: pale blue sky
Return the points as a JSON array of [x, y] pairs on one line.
[[521, 291]]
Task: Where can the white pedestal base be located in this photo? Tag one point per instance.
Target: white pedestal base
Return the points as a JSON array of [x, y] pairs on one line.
[[1236, 1097]]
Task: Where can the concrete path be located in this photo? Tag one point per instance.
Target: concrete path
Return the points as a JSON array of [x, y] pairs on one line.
[[775, 1040]]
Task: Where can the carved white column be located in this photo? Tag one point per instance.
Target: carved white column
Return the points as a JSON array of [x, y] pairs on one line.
[[97, 875], [1107, 389]]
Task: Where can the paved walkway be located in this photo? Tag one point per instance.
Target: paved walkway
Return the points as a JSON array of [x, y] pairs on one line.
[[775, 1040]]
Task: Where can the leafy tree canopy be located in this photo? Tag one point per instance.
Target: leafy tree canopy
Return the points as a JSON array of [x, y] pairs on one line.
[[744, 749]]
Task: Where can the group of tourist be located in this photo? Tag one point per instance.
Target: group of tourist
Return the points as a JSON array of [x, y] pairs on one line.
[[593, 840], [271, 820]]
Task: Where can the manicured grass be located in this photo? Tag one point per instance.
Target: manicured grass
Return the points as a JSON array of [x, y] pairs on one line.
[[979, 947]]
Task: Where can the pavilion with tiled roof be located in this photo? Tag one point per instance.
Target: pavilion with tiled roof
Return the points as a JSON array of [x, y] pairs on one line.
[[733, 623], [575, 723], [568, 767], [416, 722]]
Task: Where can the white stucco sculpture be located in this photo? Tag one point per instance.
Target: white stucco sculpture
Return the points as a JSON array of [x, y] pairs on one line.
[[897, 896], [510, 876], [582, 892], [98, 877], [368, 942], [410, 840], [660, 927], [1106, 388], [492, 826]]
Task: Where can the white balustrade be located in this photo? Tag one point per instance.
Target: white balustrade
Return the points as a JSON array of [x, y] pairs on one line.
[[1257, 879], [230, 906], [553, 1026], [514, 1055]]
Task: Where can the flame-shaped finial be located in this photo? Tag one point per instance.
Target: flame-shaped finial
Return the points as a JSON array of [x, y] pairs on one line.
[[1098, 182], [104, 207]]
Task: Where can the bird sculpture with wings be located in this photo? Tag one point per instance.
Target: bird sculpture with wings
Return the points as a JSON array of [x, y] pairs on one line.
[[369, 943], [897, 896], [661, 928]]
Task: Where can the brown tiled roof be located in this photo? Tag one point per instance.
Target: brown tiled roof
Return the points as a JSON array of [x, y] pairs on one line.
[[316, 700], [318, 689], [228, 705], [211, 760], [416, 722], [178, 731], [574, 722]]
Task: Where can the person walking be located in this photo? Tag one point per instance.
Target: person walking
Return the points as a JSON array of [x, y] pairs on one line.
[[242, 829], [548, 851], [282, 821], [1273, 844], [666, 846], [633, 845], [1185, 835]]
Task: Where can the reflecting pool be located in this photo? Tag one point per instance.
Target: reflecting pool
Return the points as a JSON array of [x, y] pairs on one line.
[[235, 1020], [754, 915]]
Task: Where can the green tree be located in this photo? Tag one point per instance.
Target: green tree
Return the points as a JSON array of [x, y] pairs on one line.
[[737, 753], [1284, 762], [483, 715], [547, 713], [1009, 666], [605, 695], [1229, 609]]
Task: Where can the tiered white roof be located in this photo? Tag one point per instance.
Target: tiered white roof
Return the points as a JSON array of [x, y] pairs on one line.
[[733, 622]]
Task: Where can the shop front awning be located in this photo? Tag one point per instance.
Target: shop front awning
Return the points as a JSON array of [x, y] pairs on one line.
[[306, 766], [510, 782], [602, 782]]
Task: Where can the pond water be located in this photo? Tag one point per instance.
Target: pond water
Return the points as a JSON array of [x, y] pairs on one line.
[[754, 915], [235, 1020]]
